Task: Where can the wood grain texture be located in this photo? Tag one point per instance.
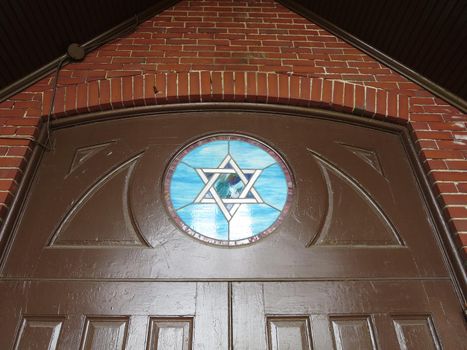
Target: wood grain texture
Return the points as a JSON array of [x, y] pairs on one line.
[[249, 322], [211, 321]]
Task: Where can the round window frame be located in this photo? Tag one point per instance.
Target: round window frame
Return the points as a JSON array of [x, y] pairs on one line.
[[184, 150]]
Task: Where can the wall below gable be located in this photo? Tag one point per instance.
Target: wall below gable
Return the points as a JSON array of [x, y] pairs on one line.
[[243, 51]]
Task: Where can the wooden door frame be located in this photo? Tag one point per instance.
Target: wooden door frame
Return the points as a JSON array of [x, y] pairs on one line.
[[445, 240]]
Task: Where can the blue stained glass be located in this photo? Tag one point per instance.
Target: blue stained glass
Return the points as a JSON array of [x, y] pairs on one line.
[[207, 219], [208, 155], [249, 156], [228, 189], [186, 184], [251, 219], [272, 185]]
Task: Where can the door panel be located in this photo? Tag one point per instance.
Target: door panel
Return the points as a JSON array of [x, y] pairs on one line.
[[170, 334], [113, 315], [416, 332], [38, 333], [352, 332], [346, 315], [288, 333], [98, 197]]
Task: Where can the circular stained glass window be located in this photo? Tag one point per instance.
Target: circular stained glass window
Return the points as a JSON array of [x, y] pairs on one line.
[[228, 189]]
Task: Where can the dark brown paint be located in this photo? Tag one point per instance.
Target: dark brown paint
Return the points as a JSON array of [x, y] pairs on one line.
[[356, 263]]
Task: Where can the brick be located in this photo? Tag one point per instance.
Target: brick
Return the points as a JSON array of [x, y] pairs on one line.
[[116, 92], [93, 96], [12, 161], [360, 102], [10, 173], [445, 187], [370, 101], [26, 131], [463, 239], [456, 165], [104, 94], [305, 91], [127, 91], [82, 98], [262, 87], [70, 103], [459, 225], [205, 86], [316, 92], [182, 87], [456, 212], [424, 117], [59, 102], [433, 135], [449, 176], [5, 197], [422, 100], [448, 126], [381, 102], [251, 86], [284, 89], [273, 88], [327, 92], [138, 90], [171, 86], [7, 130], [217, 85], [338, 95], [150, 89], [443, 154], [195, 90], [427, 144], [239, 86], [294, 89], [461, 145], [20, 151], [8, 185], [160, 88], [455, 199], [403, 107]]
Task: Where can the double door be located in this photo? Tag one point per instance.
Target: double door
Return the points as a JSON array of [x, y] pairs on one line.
[[225, 315]]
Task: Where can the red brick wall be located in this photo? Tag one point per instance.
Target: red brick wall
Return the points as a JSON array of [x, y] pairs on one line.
[[249, 51]]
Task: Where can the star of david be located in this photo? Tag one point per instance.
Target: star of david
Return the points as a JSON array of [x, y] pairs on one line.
[[228, 206]]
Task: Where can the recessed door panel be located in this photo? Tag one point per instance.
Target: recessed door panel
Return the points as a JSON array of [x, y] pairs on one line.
[[170, 334], [356, 210], [39, 332], [288, 333]]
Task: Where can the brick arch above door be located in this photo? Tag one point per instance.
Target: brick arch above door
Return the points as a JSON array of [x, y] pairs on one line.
[[220, 86]]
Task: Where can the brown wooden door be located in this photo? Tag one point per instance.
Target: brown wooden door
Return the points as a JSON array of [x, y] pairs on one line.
[[355, 263]]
